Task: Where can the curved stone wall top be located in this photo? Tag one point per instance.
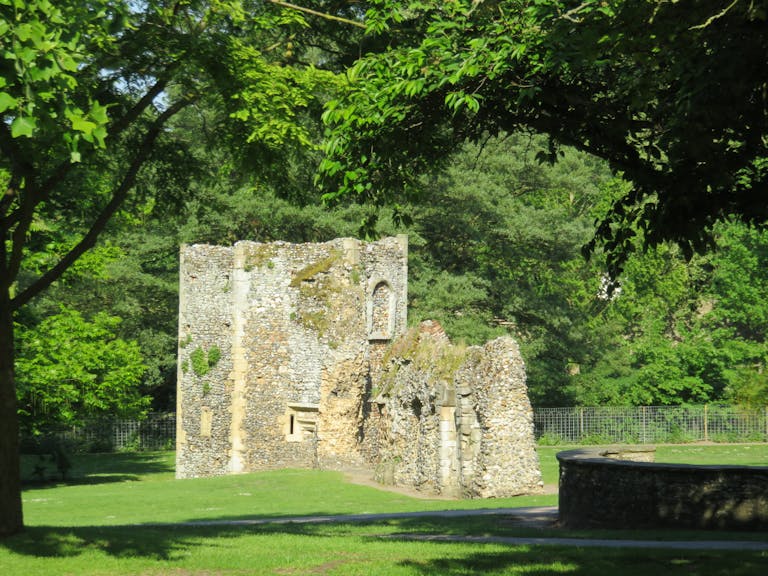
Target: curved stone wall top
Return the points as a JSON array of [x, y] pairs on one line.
[[598, 490]]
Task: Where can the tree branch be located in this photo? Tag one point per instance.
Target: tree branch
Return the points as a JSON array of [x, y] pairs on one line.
[[19, 235], [320, 14], [119, 125], [119, 195], [714, 17], [21, 169], [58, 174]]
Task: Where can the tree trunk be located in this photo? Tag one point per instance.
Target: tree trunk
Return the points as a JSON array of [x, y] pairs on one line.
[[11, 519]]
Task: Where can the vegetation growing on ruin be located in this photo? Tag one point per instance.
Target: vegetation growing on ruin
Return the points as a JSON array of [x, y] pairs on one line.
[[258, 256], [437, 358], [321, 297], [312, 270], [314, 320], [203, 361], [355, 274]]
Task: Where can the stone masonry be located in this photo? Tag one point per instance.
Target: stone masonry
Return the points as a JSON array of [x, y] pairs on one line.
[[297, 355]]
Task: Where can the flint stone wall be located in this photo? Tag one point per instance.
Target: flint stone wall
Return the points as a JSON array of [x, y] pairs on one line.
[[601, 492], [456, 421], [290, 326], [295, 355]]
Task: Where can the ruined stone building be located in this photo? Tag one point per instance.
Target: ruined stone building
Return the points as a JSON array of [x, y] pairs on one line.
[[298, 355]]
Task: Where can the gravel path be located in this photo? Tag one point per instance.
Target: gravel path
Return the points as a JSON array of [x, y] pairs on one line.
[[532, 517]]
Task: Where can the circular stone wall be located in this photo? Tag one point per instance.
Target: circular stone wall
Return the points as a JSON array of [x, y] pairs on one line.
[[599, 491]]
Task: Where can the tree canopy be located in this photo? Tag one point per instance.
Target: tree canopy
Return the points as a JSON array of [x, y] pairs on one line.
[[672, 94]]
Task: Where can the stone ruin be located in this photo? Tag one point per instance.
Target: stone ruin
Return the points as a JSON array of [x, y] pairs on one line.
[[298, 355]]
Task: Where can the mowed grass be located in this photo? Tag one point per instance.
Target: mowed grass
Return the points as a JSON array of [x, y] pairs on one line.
[[333, 550], [92, 525], [728, 454], [103, 491]]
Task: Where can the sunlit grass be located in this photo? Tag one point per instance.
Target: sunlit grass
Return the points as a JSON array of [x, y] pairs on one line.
[[88, 526], [109, 494], [736, 454], [725, 454]]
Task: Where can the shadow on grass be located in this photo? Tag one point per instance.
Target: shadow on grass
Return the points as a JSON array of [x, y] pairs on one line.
[[550, 561], [366, 541], [90, 469], [153, 542], [53, 482]]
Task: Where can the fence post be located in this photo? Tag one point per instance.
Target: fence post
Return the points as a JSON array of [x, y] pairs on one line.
[[644, 435], [581, 423], [706, 422]]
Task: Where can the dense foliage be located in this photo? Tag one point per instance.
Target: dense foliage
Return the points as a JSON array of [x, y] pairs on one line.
[[70, 368], [496, 250], [671, 94]]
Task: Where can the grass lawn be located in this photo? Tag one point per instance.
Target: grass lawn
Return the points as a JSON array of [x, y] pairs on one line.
[[84, 527]]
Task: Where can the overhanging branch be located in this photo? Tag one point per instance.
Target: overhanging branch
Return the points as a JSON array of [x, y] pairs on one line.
[[59, 173], [317, 13], [119, 195]]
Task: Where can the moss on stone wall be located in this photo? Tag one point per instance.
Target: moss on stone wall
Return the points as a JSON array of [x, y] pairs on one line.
[[259, 255], [202, 361], [321, 296], [315, 268], [434, 355]]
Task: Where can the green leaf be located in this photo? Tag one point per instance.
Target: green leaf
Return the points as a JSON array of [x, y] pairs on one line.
[[7, 101], [99, 134], [67, 62], [99, 113], [23, 126]]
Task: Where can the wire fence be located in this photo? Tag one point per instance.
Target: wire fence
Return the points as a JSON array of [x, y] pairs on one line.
[[155, 432], [579, 425], [650, 424]]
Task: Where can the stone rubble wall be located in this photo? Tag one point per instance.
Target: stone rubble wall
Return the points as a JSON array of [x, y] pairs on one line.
[[205, 323], [456, 422], [291, 326], [503, 450], [297, 355]]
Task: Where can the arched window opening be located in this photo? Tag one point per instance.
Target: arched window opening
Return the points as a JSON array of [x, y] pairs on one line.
[[381, 312]]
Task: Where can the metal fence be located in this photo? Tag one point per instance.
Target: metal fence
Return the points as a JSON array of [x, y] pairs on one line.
[[156, 432], [585, 425], [650, 424]]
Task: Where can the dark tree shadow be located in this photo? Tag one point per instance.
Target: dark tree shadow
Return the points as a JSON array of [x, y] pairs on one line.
[[94, 469], [169, 543]]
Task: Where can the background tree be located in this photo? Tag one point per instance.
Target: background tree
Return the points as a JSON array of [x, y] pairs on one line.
[[71, 368], [497, 249], [684, 330]]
